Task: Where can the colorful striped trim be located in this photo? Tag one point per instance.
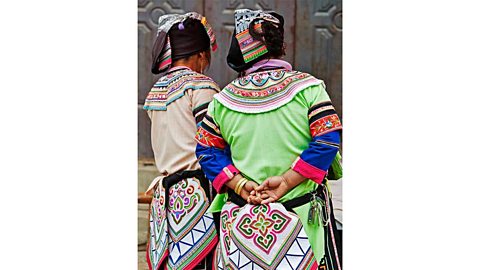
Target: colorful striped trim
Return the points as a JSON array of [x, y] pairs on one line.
[[199, 112], [311, 172], [207, 26], [210, 125], [226, 175], [336, 145], [323, 118], [211, 35], [166, 56], [250, 48], [173, 85], [264, 91]]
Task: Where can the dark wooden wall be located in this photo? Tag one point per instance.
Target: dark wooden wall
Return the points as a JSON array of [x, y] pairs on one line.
[[313, 36]]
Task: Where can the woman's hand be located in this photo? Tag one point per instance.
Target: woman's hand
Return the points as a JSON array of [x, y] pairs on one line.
[[271, 190], [247, 188]]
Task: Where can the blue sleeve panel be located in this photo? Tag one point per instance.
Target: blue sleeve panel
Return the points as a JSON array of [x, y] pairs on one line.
[[322, 150], [213, 160]]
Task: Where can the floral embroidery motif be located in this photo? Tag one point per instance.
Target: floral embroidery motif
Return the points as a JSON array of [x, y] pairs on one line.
[[208, 139], [187, 203], [182, 200], [325, 124], [261, 78], [208, 134]]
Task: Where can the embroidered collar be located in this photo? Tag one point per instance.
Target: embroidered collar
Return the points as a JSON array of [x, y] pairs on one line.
[[173, 85], [263, 91]]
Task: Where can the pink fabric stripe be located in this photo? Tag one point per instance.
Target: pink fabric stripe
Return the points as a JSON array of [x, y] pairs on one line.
[[224, 176], [309, 171]]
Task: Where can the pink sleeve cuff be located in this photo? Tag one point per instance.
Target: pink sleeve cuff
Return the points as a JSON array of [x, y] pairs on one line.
[[308, 171], [227, 173]]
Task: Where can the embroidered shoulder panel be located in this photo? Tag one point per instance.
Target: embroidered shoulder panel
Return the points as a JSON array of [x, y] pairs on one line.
[[173, 86], [264, 91]]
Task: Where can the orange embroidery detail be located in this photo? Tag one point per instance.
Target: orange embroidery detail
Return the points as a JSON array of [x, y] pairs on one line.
[[208, 139], [325, 124]]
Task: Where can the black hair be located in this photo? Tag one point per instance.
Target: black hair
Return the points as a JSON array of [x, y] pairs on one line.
[[272, 35]]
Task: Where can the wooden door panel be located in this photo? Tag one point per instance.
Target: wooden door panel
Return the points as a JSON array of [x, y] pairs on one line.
[[148, 13], [318, 45]]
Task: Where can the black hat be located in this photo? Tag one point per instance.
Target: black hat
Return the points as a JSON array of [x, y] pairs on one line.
[[180, 36]]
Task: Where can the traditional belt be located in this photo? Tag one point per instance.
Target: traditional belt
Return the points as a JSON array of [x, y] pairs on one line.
[[173, 179], [289, 205]]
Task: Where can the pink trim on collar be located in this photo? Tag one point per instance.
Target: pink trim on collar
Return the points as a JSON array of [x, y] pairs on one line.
[[269, 63], [177, 68]]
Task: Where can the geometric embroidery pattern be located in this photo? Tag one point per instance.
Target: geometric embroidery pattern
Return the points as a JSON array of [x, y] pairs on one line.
[[194, 246], [262, 226], [262, 237], [185, 232], [173, 85]]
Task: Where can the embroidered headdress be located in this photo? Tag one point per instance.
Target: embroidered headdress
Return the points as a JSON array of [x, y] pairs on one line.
[[247, 46], [179, 36]]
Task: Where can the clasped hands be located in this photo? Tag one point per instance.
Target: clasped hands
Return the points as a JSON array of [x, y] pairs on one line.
[[270, 190]]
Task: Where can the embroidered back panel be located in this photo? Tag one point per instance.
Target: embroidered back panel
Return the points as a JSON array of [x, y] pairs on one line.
[[181, 231], [265, 90], [173, 85], [262, 237]]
